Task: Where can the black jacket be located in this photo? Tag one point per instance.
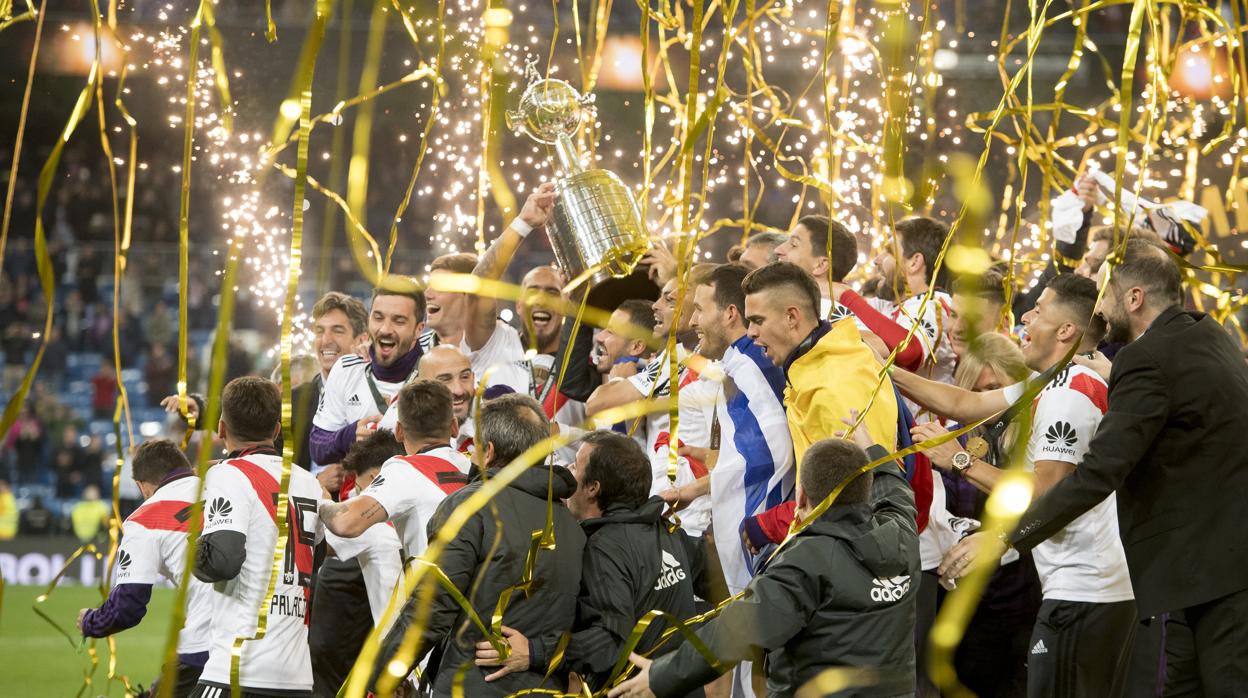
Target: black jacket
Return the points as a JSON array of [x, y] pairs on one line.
[[304, 401], [1171, 446], [486, 558], [840, 593], [633, 565]]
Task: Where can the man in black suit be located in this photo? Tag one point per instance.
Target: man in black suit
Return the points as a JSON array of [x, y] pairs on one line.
[[1171, 446]]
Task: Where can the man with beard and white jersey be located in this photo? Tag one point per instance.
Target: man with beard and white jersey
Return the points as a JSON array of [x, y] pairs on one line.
[[597, 356], [153, 547], [357, 390], [409, 488], [651, 382], [928, 352], [356, 394], [235, 552], [447, 365], [378, 550], [1082, 637]]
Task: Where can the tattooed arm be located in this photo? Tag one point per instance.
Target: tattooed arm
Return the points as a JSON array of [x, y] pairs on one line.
[[352, 517], [482, 310]]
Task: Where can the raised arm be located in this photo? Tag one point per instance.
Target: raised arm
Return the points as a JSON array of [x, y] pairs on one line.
[[483, 311], [949, 400]]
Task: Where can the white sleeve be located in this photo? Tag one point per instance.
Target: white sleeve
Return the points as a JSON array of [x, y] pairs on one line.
[[697, 406], [393, 488], [931, 324], [331, 413], [644, 379], [228, 499], [1013, 392], [1063, 425], [138, 556], [347, 548]]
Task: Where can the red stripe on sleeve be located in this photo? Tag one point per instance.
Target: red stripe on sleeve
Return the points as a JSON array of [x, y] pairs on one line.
[[165, 515]]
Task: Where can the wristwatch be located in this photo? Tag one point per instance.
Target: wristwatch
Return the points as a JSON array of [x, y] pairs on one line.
[[961, 463]]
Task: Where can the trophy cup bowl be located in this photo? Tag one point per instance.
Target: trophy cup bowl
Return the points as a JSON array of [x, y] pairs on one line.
[[595, 229]]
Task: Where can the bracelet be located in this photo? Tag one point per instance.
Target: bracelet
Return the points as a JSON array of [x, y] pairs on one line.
[[522, 229]]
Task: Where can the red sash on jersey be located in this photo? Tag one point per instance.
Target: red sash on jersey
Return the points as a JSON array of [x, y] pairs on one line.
[[554, 401], [267, 491], [165, 515], [439, 471], [698, 467]]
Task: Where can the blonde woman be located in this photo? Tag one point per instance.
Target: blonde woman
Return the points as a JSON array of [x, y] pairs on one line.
[[992, 658]]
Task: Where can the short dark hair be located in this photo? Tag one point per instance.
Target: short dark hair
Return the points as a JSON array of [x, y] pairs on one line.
[[373, 452], [156, 458], [842, 253], [405, 286], [425, 410], [1149, 267], [514, 423], [830, 462], [355, 311], [620, 468], [784, 274], [1078, 295], [925, 236], [725, 282], [989, 286], [640, 313], [251, 408]]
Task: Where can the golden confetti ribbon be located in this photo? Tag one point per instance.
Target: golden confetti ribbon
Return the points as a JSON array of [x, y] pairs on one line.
[[312, 45], [356, 683], [21, 118], [43, 263]]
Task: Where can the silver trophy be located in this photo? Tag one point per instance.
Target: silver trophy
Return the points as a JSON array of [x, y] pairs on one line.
[[595, 229]]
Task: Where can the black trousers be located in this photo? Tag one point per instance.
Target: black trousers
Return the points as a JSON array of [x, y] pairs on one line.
[[187, 677], [1207, 648], [339, 625], [1080, 649], [219, 690]]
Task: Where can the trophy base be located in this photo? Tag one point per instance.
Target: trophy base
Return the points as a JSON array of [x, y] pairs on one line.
[[595, 229]]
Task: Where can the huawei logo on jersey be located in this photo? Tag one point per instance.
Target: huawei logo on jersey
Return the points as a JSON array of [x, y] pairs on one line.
[[1060, 433], [220, 508], [123, 559]]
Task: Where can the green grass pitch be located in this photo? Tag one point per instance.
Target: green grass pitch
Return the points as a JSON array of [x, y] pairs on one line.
[[39, 662]]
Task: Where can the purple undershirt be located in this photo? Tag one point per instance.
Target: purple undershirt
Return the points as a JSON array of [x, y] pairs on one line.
[[329, 446]]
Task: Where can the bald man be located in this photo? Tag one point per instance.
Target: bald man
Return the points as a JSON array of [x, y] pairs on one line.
[[449, 366]]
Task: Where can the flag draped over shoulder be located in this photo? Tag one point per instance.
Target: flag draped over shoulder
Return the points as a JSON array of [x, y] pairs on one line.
[[755, 469]]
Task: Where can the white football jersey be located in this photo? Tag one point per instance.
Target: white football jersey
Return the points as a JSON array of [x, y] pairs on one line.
[[240, 494], [697, 400], [410, 488], [1085, 560], [654, 382], [380, 555], [503, 357], [347, 396], [153, 547], [939, 360]]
